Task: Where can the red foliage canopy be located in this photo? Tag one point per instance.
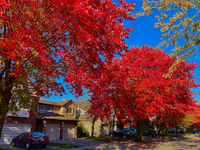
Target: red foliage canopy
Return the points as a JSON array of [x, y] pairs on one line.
[[43, 40], [136, 86], [196, 118]]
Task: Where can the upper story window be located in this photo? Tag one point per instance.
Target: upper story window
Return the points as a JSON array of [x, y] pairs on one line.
[[49, 108], [42, 108], [69, 111]]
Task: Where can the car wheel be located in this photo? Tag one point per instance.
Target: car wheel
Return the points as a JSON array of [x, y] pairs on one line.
[[43, 146], [13, 144], [27, 146], [124, 136]]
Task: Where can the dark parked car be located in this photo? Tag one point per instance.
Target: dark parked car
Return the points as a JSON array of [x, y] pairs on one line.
[[150, 132], [121, 133], [28, 139], [132, 130]]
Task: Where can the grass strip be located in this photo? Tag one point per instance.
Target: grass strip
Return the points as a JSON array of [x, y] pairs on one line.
[[104, 139], [62, 145]]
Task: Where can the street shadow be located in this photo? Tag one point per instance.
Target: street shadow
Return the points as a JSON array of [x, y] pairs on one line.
[[187, 143]]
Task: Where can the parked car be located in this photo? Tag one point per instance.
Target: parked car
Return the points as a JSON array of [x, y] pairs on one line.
[[30, 139], [173, 131], [121, 133], [132, 130], [181, 130], [150, 132]]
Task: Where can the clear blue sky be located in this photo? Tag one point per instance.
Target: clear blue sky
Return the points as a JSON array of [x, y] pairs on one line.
[[144, 34]]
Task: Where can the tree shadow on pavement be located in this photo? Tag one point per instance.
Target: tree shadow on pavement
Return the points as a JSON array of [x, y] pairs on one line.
[[187, 143]]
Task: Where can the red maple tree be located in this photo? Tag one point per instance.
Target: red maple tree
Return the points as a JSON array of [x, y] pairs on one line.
[[137, 85], [43, 41], [195, 122]]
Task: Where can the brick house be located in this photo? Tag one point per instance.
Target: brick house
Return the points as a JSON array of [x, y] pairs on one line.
[[57, 120], [22, 121]]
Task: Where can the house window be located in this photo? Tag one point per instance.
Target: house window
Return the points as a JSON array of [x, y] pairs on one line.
[[49, 108], [69, 111], [42, 108]]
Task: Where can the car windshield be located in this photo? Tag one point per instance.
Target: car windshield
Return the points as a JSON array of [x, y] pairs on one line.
[[38, 134]]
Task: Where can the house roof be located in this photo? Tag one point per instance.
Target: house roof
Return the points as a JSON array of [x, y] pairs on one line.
[[48, 114], [48, 102], [85, 117], [63, 102], [85, 105], [60, 118], [55, 116]]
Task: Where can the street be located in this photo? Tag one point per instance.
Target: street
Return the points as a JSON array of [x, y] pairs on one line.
[[190, 142]]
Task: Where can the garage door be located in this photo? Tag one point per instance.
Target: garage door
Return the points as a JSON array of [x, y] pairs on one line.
[[68, 131], [53, 131], [11, 130]]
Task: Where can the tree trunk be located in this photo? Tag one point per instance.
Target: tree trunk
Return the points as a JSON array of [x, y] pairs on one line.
[[139, 135], [1, 124], [158, 129], [113, 124], [176, 130], [5, 93], [3, 112], [93, 129]]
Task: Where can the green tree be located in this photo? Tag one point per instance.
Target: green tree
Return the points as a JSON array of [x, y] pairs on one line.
[[179, 21]]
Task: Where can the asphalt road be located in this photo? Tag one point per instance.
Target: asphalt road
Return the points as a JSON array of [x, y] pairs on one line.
[[191, 142]]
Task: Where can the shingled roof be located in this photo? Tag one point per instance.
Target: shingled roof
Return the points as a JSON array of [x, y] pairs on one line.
[[63, 102], [85, 117], [48, 114], [85, 105], [48, 102], [55, 116]]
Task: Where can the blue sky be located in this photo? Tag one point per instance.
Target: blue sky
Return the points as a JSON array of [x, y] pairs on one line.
[[144, 34]]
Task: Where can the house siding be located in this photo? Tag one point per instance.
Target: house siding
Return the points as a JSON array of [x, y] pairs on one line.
[[56, 109], [31, 120], [73, 107]]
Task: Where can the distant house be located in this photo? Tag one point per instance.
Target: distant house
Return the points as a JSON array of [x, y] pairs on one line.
[[100, 128], [57, 119]]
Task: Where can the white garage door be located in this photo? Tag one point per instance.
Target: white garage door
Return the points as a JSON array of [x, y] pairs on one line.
[[53, 131], [68, 131], [11, 130]]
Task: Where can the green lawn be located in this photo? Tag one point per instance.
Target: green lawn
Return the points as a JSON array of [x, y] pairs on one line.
[[62, 145], [1, 149], [105, 139]]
